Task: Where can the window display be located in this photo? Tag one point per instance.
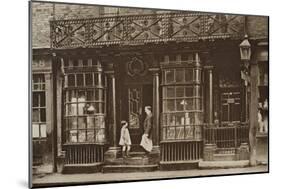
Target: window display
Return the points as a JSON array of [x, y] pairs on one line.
[[182, 116], [85, 105]]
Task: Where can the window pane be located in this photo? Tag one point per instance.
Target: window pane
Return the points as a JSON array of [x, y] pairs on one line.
[[179, 119], [82, 136], [170, 92], [90, 95], [43, 115], [188, 75], [179, 105], [96, 79], [73, 123], [35, 130], [164, 133], [71, 80], [81, 102], [198, 132], [72, 96], [96, 94], [172, 57], [42, 99], [89, 80], [73, 135], [195, 118], [179, 132], [180, 75], [103, 80], [164, 120], [81, 122], [187, 119], [180, 92], [35, 99], [71, 109], [90, 109], [198, 104], [90, 122], [171, 120], [169, 76], [191, 57], [91, 136], [102, 122], [35, 115], [188, 132], [188, 104], [100, 135], [75, 63], [42, 86], [225, 113], [235, 112], [189, 91], [35, 87], [80, 80], [170, 133], [170, 105], [198, 118], [43, 132], [99, 122]]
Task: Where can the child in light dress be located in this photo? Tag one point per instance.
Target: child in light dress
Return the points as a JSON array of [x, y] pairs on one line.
[[125, 139]]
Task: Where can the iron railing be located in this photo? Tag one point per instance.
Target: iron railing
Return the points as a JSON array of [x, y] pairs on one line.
[[141, 29], [226, 136]]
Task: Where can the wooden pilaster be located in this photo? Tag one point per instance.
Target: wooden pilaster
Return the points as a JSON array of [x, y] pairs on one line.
[[253, 112], [113, 150]]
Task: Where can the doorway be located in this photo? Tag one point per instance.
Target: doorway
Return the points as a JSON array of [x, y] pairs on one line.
[[134, 98]]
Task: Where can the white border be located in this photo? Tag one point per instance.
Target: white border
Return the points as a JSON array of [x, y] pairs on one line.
[[14, 91]]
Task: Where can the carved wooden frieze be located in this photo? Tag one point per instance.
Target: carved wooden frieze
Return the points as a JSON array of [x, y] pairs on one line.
[[141, 29]]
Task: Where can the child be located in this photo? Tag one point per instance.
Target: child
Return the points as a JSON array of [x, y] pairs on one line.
[[125, 140]]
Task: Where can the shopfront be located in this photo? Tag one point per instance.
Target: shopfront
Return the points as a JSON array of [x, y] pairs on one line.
[[187, 67]]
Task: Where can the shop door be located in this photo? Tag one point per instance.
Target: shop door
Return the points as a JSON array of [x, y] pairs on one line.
[[137, 97]]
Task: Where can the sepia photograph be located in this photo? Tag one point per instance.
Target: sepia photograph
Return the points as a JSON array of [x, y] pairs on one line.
[[121, 94]]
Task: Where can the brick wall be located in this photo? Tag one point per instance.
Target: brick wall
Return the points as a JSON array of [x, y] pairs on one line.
[[43, 12], [257, 26]]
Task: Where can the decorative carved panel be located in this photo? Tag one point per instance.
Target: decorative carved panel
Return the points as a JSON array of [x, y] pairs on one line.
[[140, 29]]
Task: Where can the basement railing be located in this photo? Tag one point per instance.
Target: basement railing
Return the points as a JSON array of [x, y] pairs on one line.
[[226, 137]]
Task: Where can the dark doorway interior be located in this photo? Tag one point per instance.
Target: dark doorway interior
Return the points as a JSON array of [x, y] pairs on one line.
[[134, 98]]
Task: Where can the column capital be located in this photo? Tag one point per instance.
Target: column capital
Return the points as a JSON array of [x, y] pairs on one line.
[[109, 73], [154, 71], [209, 67]]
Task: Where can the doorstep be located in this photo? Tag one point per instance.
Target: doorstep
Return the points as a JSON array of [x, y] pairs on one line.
[[223, 164]]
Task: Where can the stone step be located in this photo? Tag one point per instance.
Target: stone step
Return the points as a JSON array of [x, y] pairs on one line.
[[128, 168], [82, 168], [136, 160], [223, 164], [132, 160], [224, 157], [179, 165]]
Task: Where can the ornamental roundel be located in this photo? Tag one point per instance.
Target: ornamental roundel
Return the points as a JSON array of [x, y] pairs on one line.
[[136, 67]]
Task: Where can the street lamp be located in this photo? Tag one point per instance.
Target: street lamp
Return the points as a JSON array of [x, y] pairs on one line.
[[245, 52], [245, 55], [250, 76]]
